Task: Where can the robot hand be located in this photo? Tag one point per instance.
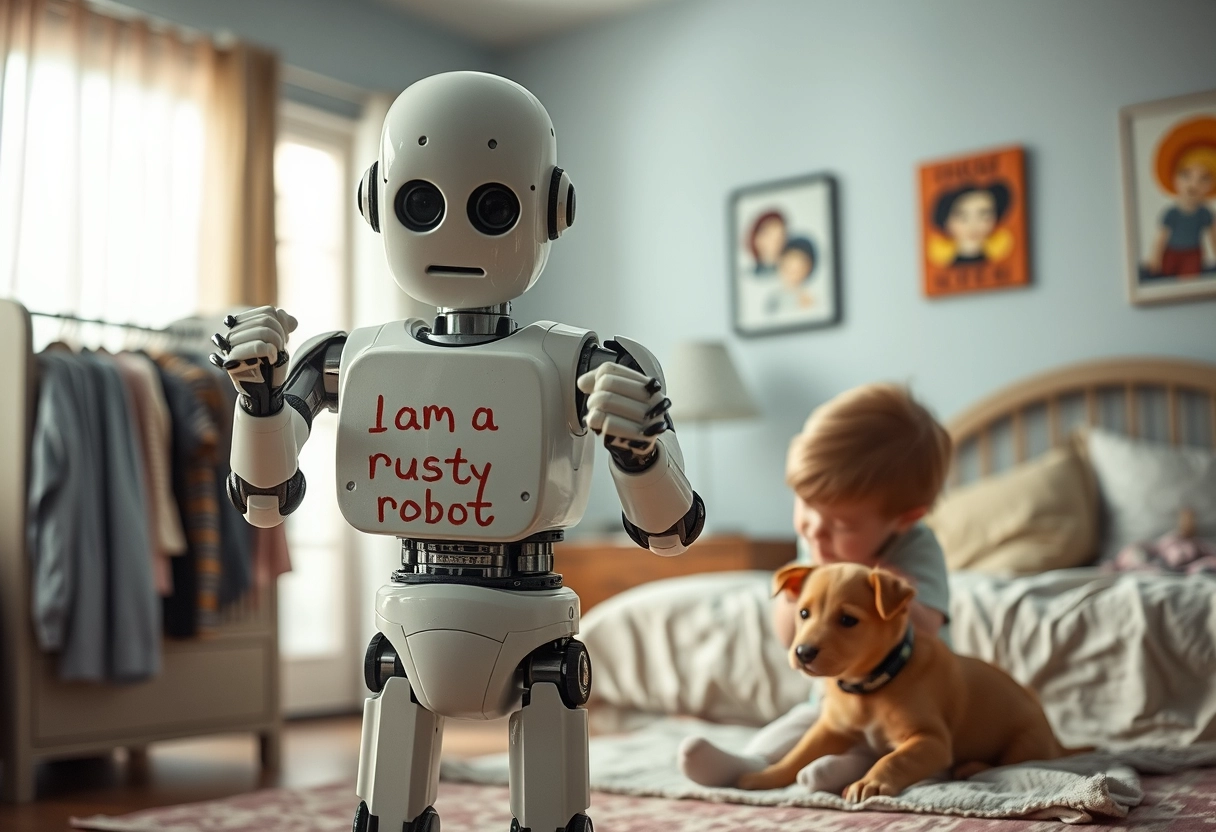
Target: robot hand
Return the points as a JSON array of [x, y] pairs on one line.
[[254, 354], [629, 410]]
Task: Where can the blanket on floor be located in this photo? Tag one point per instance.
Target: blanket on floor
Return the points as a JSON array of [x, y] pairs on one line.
[[1073, 790]]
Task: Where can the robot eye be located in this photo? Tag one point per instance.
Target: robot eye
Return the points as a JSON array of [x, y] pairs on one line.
[[419, 205], [493, 209]]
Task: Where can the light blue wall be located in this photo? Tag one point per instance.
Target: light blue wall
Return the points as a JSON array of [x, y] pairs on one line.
[[661, 114], [355, 41]]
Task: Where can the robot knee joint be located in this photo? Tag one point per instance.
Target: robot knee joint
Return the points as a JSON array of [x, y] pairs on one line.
[[565, 664], [381, 663]]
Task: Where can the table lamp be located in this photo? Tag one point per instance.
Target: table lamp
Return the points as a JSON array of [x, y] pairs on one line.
[[705, 387]]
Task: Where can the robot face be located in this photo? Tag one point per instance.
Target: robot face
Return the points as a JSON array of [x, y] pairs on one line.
[[462, 191]]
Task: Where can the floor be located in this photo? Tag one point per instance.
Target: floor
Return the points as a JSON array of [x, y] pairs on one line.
[[315, 751]]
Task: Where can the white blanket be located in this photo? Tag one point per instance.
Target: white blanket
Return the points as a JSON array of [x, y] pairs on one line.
[[1074, 790], [1117, 660]]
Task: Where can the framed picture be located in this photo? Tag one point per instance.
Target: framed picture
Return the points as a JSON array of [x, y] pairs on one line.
[[973, 223], [784, 256], [1169, 190]]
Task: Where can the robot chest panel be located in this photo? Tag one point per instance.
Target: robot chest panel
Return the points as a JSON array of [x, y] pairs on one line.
[[445, 443]]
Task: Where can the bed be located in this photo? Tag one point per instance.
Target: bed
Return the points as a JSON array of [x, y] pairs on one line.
[[1069, 467]]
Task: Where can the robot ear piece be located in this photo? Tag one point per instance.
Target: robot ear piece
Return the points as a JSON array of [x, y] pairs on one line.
[[561, 203], [368, 196]]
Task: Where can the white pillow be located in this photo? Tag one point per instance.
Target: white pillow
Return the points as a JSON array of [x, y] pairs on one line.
[[699, 645], [1145, 485]]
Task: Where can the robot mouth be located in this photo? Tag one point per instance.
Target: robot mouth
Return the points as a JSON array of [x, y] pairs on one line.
[[455, 271]]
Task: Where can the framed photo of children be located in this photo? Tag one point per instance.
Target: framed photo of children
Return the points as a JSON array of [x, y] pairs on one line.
[[784, 256], [1169, 188], [973, 223]]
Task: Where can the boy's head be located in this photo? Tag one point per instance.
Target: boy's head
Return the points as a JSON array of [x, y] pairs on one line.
[[797, 261], [868, 464]]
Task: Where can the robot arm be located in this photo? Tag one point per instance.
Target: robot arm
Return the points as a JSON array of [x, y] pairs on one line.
[[622, 400], [266, 483]]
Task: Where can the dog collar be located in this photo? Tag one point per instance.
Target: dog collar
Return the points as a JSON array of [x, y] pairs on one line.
[[887, 669]]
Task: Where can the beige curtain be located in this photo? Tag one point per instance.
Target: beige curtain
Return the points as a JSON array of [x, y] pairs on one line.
[[136, 166], [238, 257]]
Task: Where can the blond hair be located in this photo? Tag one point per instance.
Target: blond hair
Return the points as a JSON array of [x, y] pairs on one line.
[[873, 441]]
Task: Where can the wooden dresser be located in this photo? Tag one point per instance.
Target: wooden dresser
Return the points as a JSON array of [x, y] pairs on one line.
[[599, 568]]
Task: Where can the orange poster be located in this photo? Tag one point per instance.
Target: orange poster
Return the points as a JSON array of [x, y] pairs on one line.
[[973, 220]]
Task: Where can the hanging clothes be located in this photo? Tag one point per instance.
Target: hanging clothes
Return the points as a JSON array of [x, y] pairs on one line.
[[195, 435], [140, 375], [93, 595], [237, 536], [134, 605], [63, 524]]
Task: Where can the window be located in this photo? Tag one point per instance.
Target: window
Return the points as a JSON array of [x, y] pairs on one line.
[[317, 633]]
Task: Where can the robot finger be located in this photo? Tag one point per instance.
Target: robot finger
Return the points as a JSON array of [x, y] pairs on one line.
[[261, 333], [623, 428], [261, 322], [221, 342], [621, 371], [633, 388], [617, 405], [248, 314], [659, 409], [252, 350], [586, 382], [655, 429], [288, 322]]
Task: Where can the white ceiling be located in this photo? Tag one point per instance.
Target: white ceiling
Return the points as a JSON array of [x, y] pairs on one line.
[[506, 23]]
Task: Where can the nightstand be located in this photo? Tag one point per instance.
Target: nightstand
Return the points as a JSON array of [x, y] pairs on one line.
[[598, 568]]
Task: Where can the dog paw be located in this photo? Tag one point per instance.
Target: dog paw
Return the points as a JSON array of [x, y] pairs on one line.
[[868, 787]]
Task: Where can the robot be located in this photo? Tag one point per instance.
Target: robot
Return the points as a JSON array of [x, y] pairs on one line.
[[471, 439]]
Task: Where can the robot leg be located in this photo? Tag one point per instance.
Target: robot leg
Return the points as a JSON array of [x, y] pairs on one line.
[[550, 786], [398, 762]]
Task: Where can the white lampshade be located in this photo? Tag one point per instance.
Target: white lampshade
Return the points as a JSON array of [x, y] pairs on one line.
[[704, 385]]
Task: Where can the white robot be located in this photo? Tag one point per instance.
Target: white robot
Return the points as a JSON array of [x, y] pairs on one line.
[[470, 439]]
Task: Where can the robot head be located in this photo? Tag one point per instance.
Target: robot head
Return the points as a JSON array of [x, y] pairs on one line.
[[466, 193]]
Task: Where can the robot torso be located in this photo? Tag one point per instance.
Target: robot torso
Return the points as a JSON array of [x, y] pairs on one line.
[[477, 443]]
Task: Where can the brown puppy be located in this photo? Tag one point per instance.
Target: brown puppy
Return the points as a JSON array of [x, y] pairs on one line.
[[925, 708]]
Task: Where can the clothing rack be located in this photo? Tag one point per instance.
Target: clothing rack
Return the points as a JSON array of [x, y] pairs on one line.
[[178, 330], [223, 683]]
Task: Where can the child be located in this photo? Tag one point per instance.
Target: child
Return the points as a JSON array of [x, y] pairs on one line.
[[1186, 169], [865, 469], [795, 266]]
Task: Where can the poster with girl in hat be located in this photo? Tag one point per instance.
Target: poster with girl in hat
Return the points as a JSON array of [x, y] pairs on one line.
[[1169, 180], [973, 219]]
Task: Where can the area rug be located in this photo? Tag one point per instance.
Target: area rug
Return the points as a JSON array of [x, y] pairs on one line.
[[1178, 803], [1073, 790]]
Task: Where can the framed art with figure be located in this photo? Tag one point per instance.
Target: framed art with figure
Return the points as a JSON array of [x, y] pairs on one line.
[[1169, 193], [973, 223], [784, 256]]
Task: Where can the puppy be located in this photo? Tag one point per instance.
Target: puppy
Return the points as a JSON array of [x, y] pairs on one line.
[[907, 696]]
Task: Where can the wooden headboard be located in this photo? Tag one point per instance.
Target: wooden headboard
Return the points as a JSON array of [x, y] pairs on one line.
[[1163, 399]]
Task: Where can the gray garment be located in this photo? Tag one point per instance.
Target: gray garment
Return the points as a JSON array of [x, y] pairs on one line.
[[134, 638], [916, 554], [65, 529], [93, 595]]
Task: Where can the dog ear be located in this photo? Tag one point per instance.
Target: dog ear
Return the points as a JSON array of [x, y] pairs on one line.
[[790, 578], [892, 594]]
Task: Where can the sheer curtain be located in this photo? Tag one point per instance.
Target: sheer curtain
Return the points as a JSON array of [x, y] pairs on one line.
[[128, 153]]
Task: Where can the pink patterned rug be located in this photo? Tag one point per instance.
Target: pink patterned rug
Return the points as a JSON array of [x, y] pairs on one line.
[[1177, 803]]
